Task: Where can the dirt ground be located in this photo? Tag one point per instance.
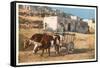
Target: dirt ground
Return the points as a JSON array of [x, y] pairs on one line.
[[28, 56], [84, 49]]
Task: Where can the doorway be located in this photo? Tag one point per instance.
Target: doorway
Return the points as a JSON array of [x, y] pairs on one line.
[[69, 26]]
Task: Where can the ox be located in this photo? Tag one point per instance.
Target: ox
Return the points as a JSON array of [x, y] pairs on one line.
[[45, 43], [40, 42]]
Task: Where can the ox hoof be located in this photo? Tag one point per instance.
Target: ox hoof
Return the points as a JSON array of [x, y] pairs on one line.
[[34, 52], [41, 55]]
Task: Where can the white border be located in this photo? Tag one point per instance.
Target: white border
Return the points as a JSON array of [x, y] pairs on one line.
[[46, 62], [17, 34]]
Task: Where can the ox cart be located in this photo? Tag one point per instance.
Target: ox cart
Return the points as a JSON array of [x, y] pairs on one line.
[[67, 42]]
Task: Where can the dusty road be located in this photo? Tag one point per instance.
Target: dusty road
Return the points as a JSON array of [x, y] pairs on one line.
[[79, 54]]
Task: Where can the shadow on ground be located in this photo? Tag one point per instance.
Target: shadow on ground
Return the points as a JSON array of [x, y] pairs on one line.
[[63, 52]]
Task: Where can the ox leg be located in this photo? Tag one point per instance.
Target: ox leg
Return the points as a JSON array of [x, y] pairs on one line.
[[57, 49], [42, 52], [48, 51]]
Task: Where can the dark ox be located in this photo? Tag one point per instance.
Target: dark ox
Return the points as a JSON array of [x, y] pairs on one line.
[[45, 44]]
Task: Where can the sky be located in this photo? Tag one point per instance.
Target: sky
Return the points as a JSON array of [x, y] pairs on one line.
[[81, 12]]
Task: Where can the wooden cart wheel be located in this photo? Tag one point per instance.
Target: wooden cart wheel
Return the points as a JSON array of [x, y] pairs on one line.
[[70, 47]]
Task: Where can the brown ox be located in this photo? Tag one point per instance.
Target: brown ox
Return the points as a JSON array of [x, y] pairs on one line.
[[40, 42]]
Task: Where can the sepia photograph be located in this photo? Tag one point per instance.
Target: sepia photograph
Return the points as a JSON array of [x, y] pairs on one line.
[[54, 33]]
